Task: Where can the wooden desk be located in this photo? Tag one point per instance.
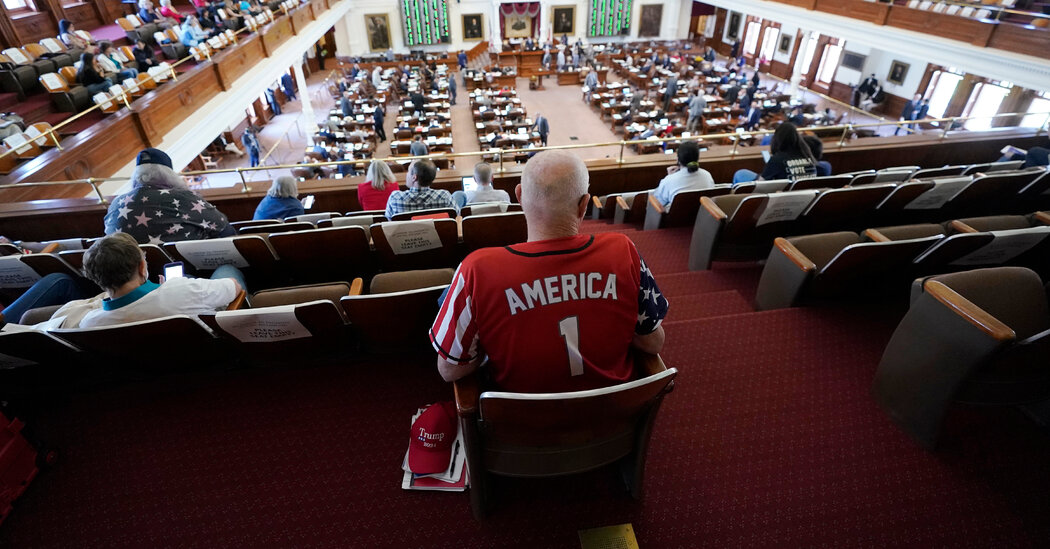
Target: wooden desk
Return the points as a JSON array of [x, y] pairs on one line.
[[569, 78]]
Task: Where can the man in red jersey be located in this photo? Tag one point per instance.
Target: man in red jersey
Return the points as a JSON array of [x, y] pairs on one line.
[[559, 312]]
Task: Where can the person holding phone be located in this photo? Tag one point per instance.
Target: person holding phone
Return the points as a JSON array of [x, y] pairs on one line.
[[117, 265], [281, 201]]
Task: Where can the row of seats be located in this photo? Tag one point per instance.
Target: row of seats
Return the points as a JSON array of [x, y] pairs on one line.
[[21, 67], [282, 322], [848, 264], [306, 256], [743, 226]]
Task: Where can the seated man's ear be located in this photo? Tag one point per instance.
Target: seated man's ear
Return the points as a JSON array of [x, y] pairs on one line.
[[517, 192], [581, 207]]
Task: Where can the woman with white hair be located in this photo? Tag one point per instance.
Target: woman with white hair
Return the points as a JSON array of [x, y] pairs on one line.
[[378, 186], [161, 208], [281, 201]]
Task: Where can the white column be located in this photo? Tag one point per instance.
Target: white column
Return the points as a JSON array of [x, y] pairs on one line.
[[304, 96], [796, 70], [495, 37], [545, 15]]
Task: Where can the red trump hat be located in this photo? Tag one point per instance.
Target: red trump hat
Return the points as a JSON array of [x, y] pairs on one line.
[[432, 434]]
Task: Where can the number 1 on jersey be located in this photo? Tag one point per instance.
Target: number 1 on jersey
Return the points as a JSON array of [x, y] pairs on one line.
[[569, 328]]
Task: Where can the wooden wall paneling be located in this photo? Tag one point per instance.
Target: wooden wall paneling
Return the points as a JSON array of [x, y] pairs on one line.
[[301, 17], [97, 151], [1020, 39], [893, 106], [54, 9], [971, 31], [276, 34], [721, 19], [780, 70], [69, 218], [318, 7], [840, 91], [234, 63], [856, 9], [34, 27], [164, 108], [8, 31], [808, 4], [961, 96], [86, 17]]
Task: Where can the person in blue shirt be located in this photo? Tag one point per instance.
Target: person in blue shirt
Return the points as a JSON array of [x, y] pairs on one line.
[[462, 59], [190, 35], [281, 201]]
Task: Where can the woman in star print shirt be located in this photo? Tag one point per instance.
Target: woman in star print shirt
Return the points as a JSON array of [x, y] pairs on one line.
[[160, 208]]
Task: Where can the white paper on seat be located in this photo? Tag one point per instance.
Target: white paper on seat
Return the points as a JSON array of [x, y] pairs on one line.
[[131, 85], [102, 99], [353, 221], [409, 237], [942, 191], [17, 56], [263, 325], [52, 81], [36, 135], [157, 73], [485, 208], [210, 254], [1005, 246], [51, 44], [15, 274], [18, 142], [313, 218], [214, 42], [786, 206]]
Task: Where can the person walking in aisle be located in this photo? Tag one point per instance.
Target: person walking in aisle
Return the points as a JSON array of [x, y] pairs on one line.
[[251, 143], [542, 127], [378, 116]]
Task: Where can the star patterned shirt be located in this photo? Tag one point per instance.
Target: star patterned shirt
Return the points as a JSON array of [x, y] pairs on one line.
[[552, 315], [153, 215]]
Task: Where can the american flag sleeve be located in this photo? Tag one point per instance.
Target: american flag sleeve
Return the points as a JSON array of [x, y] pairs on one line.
[[652, 305], [455, 333]]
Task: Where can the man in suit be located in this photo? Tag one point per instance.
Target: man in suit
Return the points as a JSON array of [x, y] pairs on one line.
[[418, 101], [755, 80], [745, 101], [910, 111], [591, 82], [462, 59], [868, 85], [561, 60], [542, 127], [529, 44], [288, 86], [378, 117], [546, 60], [709, 55], [452, 89], [733, 93], [346, 106], [876, 97], [752, 117], [671, 91]]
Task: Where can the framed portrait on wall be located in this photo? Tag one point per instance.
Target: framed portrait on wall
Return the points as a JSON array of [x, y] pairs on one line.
[[377, 27], [652, 16], [785, 43], [898, 72], [517, 26], [734, 25], [853, 61], [473, 27], [564, 19]]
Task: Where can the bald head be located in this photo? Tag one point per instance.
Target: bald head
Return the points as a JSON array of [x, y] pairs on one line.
[[552, 188]]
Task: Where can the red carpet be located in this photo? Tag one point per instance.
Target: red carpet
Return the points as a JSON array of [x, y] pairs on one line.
[[770, 439]]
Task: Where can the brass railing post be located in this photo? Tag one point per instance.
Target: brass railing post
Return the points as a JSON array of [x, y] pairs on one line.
[[736, 143], [94, 185], [623, 144], [948, 127], [845, 134], [51, 133], [244, 183]]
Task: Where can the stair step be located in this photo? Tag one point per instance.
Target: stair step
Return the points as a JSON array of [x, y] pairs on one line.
[[706, 305], [743, 280]]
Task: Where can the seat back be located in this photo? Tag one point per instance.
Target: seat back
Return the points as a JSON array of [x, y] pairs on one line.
[[932, 173], [501, 229], [324, 255], [419, 214], [332, 291], [69, 73], [136, 343], [276, 326], [989, 167], [393, 322], [249, 253], [857, 264], [845, 208], [412, 245], [563, 433], [275, 228], [825, 182], [987, 191], [36, 347]]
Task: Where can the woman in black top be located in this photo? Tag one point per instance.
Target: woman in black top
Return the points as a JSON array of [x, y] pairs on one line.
[[791, 158], [89, 75], [143, 56]]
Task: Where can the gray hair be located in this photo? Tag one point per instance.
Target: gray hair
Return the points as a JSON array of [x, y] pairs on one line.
[[165, 3], [553, 182], [283, 187], [379, 174], [483, 173], [158, 176]]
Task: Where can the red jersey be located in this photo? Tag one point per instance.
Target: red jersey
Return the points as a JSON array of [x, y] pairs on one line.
[[553, 315], [371, 199]]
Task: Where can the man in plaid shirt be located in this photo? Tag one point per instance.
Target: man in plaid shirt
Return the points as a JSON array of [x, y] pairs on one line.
[[419, 195]]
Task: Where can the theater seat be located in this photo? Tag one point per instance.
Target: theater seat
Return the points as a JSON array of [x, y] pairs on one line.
[[422, 244], [396, 321], [682, 210], [133, 346], [15, 78], [501, 229], [554, 434], [979, 336]]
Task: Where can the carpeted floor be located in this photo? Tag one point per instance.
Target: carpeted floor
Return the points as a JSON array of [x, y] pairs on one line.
[[770, 439]]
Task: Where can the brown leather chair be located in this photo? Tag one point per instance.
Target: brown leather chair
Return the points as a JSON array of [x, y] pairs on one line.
[[552, 434], [980, 336]]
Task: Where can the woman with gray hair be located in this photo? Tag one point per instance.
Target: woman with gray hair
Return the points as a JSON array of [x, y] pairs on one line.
[[281, 200], [161, 208], [378, 186]]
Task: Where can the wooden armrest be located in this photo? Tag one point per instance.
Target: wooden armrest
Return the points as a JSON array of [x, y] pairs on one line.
[[973, 314], [648, 364], [960, 227], [51, 248], [1041, 217], [712, 209], [657, 206], [238, 302], [467, 395], [875, 236], [597, 202], [793, 253], [622, 203], [357, 286]]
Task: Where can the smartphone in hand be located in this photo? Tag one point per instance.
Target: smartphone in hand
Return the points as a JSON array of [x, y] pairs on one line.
[[173, 270]]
